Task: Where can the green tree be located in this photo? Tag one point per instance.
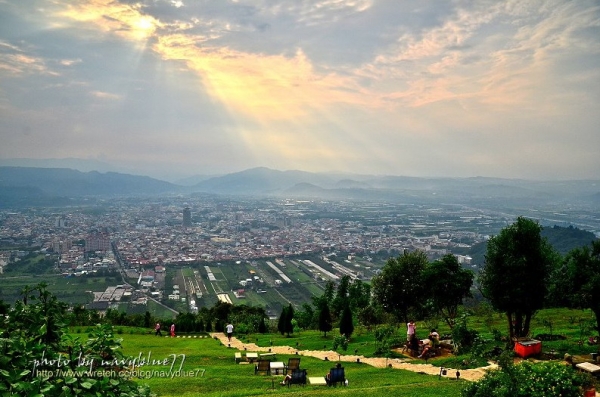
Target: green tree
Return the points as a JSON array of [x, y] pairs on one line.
[[359, 295], [281, 323], [325, 324], [262, 327], [147, 319], [578, 279], [289, 316], [220, 311], [514, 279], [398, 289], [370, 315], [448, 283], [306, 317], [346, 325], [340, 301]]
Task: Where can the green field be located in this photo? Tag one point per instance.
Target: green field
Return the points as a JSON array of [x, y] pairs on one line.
[[213, 372], [211, 369]]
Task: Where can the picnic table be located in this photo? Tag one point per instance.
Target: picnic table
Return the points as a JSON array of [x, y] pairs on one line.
[[251, 357], [277, 366], [589, 367]]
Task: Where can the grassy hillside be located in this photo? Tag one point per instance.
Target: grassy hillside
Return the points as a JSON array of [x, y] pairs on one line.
[[212, 372], [209, 369]]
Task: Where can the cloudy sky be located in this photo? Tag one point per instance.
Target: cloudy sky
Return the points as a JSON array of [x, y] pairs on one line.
[[397, 87]]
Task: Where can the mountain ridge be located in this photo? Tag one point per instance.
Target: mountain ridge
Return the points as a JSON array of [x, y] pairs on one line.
[[29, 182]]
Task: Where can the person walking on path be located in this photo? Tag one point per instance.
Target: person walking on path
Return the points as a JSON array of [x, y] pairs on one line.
[[229, 329], [173, 330], [157, 330]]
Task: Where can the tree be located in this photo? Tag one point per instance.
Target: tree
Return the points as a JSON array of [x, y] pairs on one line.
[[346, 325], [514, 278], [399, 287], [324, 318], [447, 284], [578, 279], [289, 316], [370, 316], [359, 295], [340, 301], [281, 323], [306, 317], [262, 327], [147, 319]]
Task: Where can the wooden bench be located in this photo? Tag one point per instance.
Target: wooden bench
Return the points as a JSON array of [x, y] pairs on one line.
[[238, 357], [252, 357], [317, 380], [269, 356], [589, 367]]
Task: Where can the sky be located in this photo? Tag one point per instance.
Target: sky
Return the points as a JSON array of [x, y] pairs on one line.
[[427, 88]]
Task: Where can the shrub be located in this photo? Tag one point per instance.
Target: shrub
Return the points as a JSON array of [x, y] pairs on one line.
[[527, 379], [39, 358], [242, 329], [463, 337]]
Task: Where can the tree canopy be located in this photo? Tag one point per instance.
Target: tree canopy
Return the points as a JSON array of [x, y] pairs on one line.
[[448, 283], [577, 280], [518, 263], [399, 287]]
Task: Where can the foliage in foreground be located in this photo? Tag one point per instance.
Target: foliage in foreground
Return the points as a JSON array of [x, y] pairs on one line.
[[39, 359], [527, 379]]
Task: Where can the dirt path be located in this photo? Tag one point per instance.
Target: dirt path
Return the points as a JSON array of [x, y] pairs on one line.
[[406, 364]]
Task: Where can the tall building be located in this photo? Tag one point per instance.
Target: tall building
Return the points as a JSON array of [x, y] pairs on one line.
[[60, 246], [187, 217], [97, 242]]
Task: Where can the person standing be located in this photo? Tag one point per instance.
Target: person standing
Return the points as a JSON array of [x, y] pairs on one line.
[[411, 329], [173, 330], [229, 329], [157, 330]]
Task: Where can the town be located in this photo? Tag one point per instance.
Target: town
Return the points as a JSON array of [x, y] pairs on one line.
[[185, 252]]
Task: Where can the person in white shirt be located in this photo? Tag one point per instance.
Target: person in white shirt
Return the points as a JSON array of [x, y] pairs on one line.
[[229, 329], [434, 341]]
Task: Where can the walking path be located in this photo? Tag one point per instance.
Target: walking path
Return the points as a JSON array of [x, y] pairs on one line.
[[406, 364]]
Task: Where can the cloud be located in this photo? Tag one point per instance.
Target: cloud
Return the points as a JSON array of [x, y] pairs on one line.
[[16, 61], [422, 87], [104, 95]]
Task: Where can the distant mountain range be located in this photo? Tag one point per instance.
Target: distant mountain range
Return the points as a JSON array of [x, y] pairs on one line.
[[33, 186]]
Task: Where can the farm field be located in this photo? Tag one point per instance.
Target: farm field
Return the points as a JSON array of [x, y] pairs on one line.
[[269, 283]]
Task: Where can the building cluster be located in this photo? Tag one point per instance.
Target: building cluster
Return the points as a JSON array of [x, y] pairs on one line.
[[168, 231]]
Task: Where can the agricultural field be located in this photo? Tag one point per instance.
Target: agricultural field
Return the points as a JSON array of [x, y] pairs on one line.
[[269, 283]]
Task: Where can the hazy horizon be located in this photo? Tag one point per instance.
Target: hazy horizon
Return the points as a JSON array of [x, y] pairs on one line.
[[174, 88]]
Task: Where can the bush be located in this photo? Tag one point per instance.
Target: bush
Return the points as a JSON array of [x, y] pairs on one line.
[[242, 329], [38, 358], [527, 379], [463, 337]]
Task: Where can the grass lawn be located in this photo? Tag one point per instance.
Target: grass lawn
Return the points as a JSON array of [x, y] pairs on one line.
[[570, 329], [213, 372]]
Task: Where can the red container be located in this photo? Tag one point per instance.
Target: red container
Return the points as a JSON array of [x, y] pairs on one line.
[[590, 393], [528, 348]]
